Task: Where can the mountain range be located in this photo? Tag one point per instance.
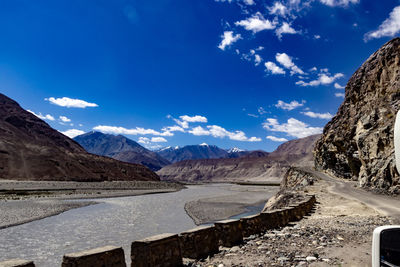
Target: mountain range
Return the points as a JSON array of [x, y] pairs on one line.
[[31, 150], [121, 148], [259, 167]]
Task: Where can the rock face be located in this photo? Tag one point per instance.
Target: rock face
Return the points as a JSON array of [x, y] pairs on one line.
[[121, 148], [31, 150], [247, 168], [357, 143], [203, 151]]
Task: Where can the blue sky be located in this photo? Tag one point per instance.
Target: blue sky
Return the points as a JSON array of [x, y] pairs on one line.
[[239, 73]]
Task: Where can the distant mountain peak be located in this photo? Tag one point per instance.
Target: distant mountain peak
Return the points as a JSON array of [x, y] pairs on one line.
[[203, 144]]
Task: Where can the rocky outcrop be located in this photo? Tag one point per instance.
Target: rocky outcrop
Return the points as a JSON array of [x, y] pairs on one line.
[[121, 148], [31, 150], [357, 143], [292, 188], [269, 168]]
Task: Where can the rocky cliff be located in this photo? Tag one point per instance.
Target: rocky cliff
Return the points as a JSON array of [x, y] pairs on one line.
[[358, 142], [31, 150], [267, 168]]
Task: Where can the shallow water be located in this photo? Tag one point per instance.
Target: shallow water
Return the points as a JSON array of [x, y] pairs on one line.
[[115, 221]]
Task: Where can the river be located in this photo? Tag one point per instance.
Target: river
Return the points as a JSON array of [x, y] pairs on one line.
[[114, 221]]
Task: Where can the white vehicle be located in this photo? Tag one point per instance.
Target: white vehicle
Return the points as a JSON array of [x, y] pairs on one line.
[[386, 239]]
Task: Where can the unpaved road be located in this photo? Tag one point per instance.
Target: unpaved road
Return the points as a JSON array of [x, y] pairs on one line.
[[386, 205]]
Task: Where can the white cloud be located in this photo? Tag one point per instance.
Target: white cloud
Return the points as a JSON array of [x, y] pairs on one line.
[[289, 106], [278, 9], [158, 140], [253, 56], [342, 3], [252, 115], [286, 61], [323, 79], [338, 86], [389, 27], [220, 132], [249, 2], [134, 131], [261, 111], [196, 118], [41, 116], [316, 37], [285, 28], [184, 121], [325, 116], [256, 23], [340, 95], [293, 127], [71, 133], [70, 103], [313, 69], [227, 39], [174, 128], [276, 139], [64, 119], [257, 59], [199, 131], [273, 68]]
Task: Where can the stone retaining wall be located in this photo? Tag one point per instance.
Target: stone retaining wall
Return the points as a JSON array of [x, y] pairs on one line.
[[198, 243]]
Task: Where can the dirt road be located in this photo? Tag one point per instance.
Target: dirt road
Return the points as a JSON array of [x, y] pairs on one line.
[[386, 205]]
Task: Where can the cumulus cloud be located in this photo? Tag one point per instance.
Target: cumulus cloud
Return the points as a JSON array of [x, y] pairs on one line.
[[273, 68], [325, 116], [220, 132], [199, 131], [323, 79], [256, 23], [134, 131], [339, 95], [253, 56], [64, 119], [71, 133], [41, 116], [338, 86], [70, 103], [316, 36], [292, 127], [286, 61], [227, 39], [174, 128], [285, 28], [289, 106], [196, 118], [278, 9], [341, 3], [185, 119], [389, 27], [276, 139]]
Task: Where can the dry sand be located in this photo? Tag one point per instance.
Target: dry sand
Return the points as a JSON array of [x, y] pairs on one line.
[[208, 210]]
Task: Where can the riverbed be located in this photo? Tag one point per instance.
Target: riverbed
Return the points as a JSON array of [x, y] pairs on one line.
[[119, 221]]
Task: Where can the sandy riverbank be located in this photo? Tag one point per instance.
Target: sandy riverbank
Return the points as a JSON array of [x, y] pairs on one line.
[[217, 208], [26, 201]]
